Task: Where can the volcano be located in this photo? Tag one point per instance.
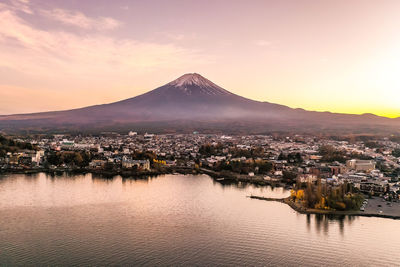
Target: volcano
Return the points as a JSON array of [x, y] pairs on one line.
[[193, 102]]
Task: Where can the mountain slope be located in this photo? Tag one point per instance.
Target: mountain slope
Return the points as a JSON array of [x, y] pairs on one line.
[[188, 99]]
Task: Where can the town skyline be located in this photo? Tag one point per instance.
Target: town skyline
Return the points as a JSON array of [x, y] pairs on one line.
[[57, 55]]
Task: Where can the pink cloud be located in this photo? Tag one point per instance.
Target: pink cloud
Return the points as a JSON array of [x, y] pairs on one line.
[[18, 5], [78, 19], [68, 63], [29, 49]]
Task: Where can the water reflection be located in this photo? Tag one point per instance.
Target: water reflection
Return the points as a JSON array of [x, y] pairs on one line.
[[322, 222], [176, 220]]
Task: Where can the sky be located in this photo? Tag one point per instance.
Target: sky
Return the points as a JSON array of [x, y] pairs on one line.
[[339, 56]]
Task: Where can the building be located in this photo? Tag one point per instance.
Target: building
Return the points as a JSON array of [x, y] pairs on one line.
[[139, 164], [360, 165], [97, 163], [372, 187], [131, 133], [67, 144], [148, 136]]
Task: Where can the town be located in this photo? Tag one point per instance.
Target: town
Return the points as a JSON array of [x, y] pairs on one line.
[[370, 165]]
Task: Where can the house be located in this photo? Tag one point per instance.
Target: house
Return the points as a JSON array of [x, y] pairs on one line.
[[131, 133], [315, 157], [170, 162], [97, 163], [25, 160], [321, 171], [13, 159], [308, 178], [148, 136]]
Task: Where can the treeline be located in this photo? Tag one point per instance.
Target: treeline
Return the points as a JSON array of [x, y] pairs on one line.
[[83, 158], [294, 157], [71, 158], [260, 167], [330, 154], [144, 155], [10, 145], [218, 149], [318, 196], [257, 152], [373, 144]]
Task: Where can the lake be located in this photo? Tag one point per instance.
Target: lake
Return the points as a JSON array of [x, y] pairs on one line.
[[176, 220]]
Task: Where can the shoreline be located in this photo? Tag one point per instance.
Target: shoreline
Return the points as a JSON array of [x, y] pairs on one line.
[[303, 210], [216, 176], [106, 173]]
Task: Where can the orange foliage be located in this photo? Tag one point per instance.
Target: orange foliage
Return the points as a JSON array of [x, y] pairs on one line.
[[300, 194]]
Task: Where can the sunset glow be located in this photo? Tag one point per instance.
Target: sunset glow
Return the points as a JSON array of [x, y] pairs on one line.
[[338, 56]]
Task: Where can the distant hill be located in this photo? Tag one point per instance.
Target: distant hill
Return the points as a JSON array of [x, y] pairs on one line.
[[192, 102]]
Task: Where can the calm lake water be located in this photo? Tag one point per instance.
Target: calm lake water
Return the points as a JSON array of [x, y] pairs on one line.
[[176, 220]]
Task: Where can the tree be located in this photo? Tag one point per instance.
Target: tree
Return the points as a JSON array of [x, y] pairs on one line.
[[300, 194], [108, 166], [78, 160], [396, 152], [289, 176], [264, 167], [330, 154]]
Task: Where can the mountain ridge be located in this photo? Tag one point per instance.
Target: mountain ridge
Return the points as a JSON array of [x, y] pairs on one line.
[[191, 97]]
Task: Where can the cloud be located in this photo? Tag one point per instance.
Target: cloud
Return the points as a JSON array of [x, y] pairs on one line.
[[175, 37], [80, 20], [178, 36], [262, 43], [18, 5], [67, 62], [29, 49]]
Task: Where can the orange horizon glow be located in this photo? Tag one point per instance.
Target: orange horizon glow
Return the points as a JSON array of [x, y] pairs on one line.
[[337, 56]]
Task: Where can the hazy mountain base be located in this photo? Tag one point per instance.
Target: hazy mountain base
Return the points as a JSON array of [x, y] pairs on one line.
[[190, 126], [193, 103]]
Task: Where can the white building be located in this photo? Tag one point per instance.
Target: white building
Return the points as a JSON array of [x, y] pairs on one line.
[[140, 164], [361, 165]]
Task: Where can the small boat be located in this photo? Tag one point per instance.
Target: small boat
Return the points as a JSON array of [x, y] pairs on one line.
[[220, 179]]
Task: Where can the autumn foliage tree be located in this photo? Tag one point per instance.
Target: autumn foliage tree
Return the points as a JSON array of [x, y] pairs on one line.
[[321, 196]]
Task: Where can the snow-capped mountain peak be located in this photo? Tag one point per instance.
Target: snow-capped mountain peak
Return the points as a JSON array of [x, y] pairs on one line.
[[192, 83]]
